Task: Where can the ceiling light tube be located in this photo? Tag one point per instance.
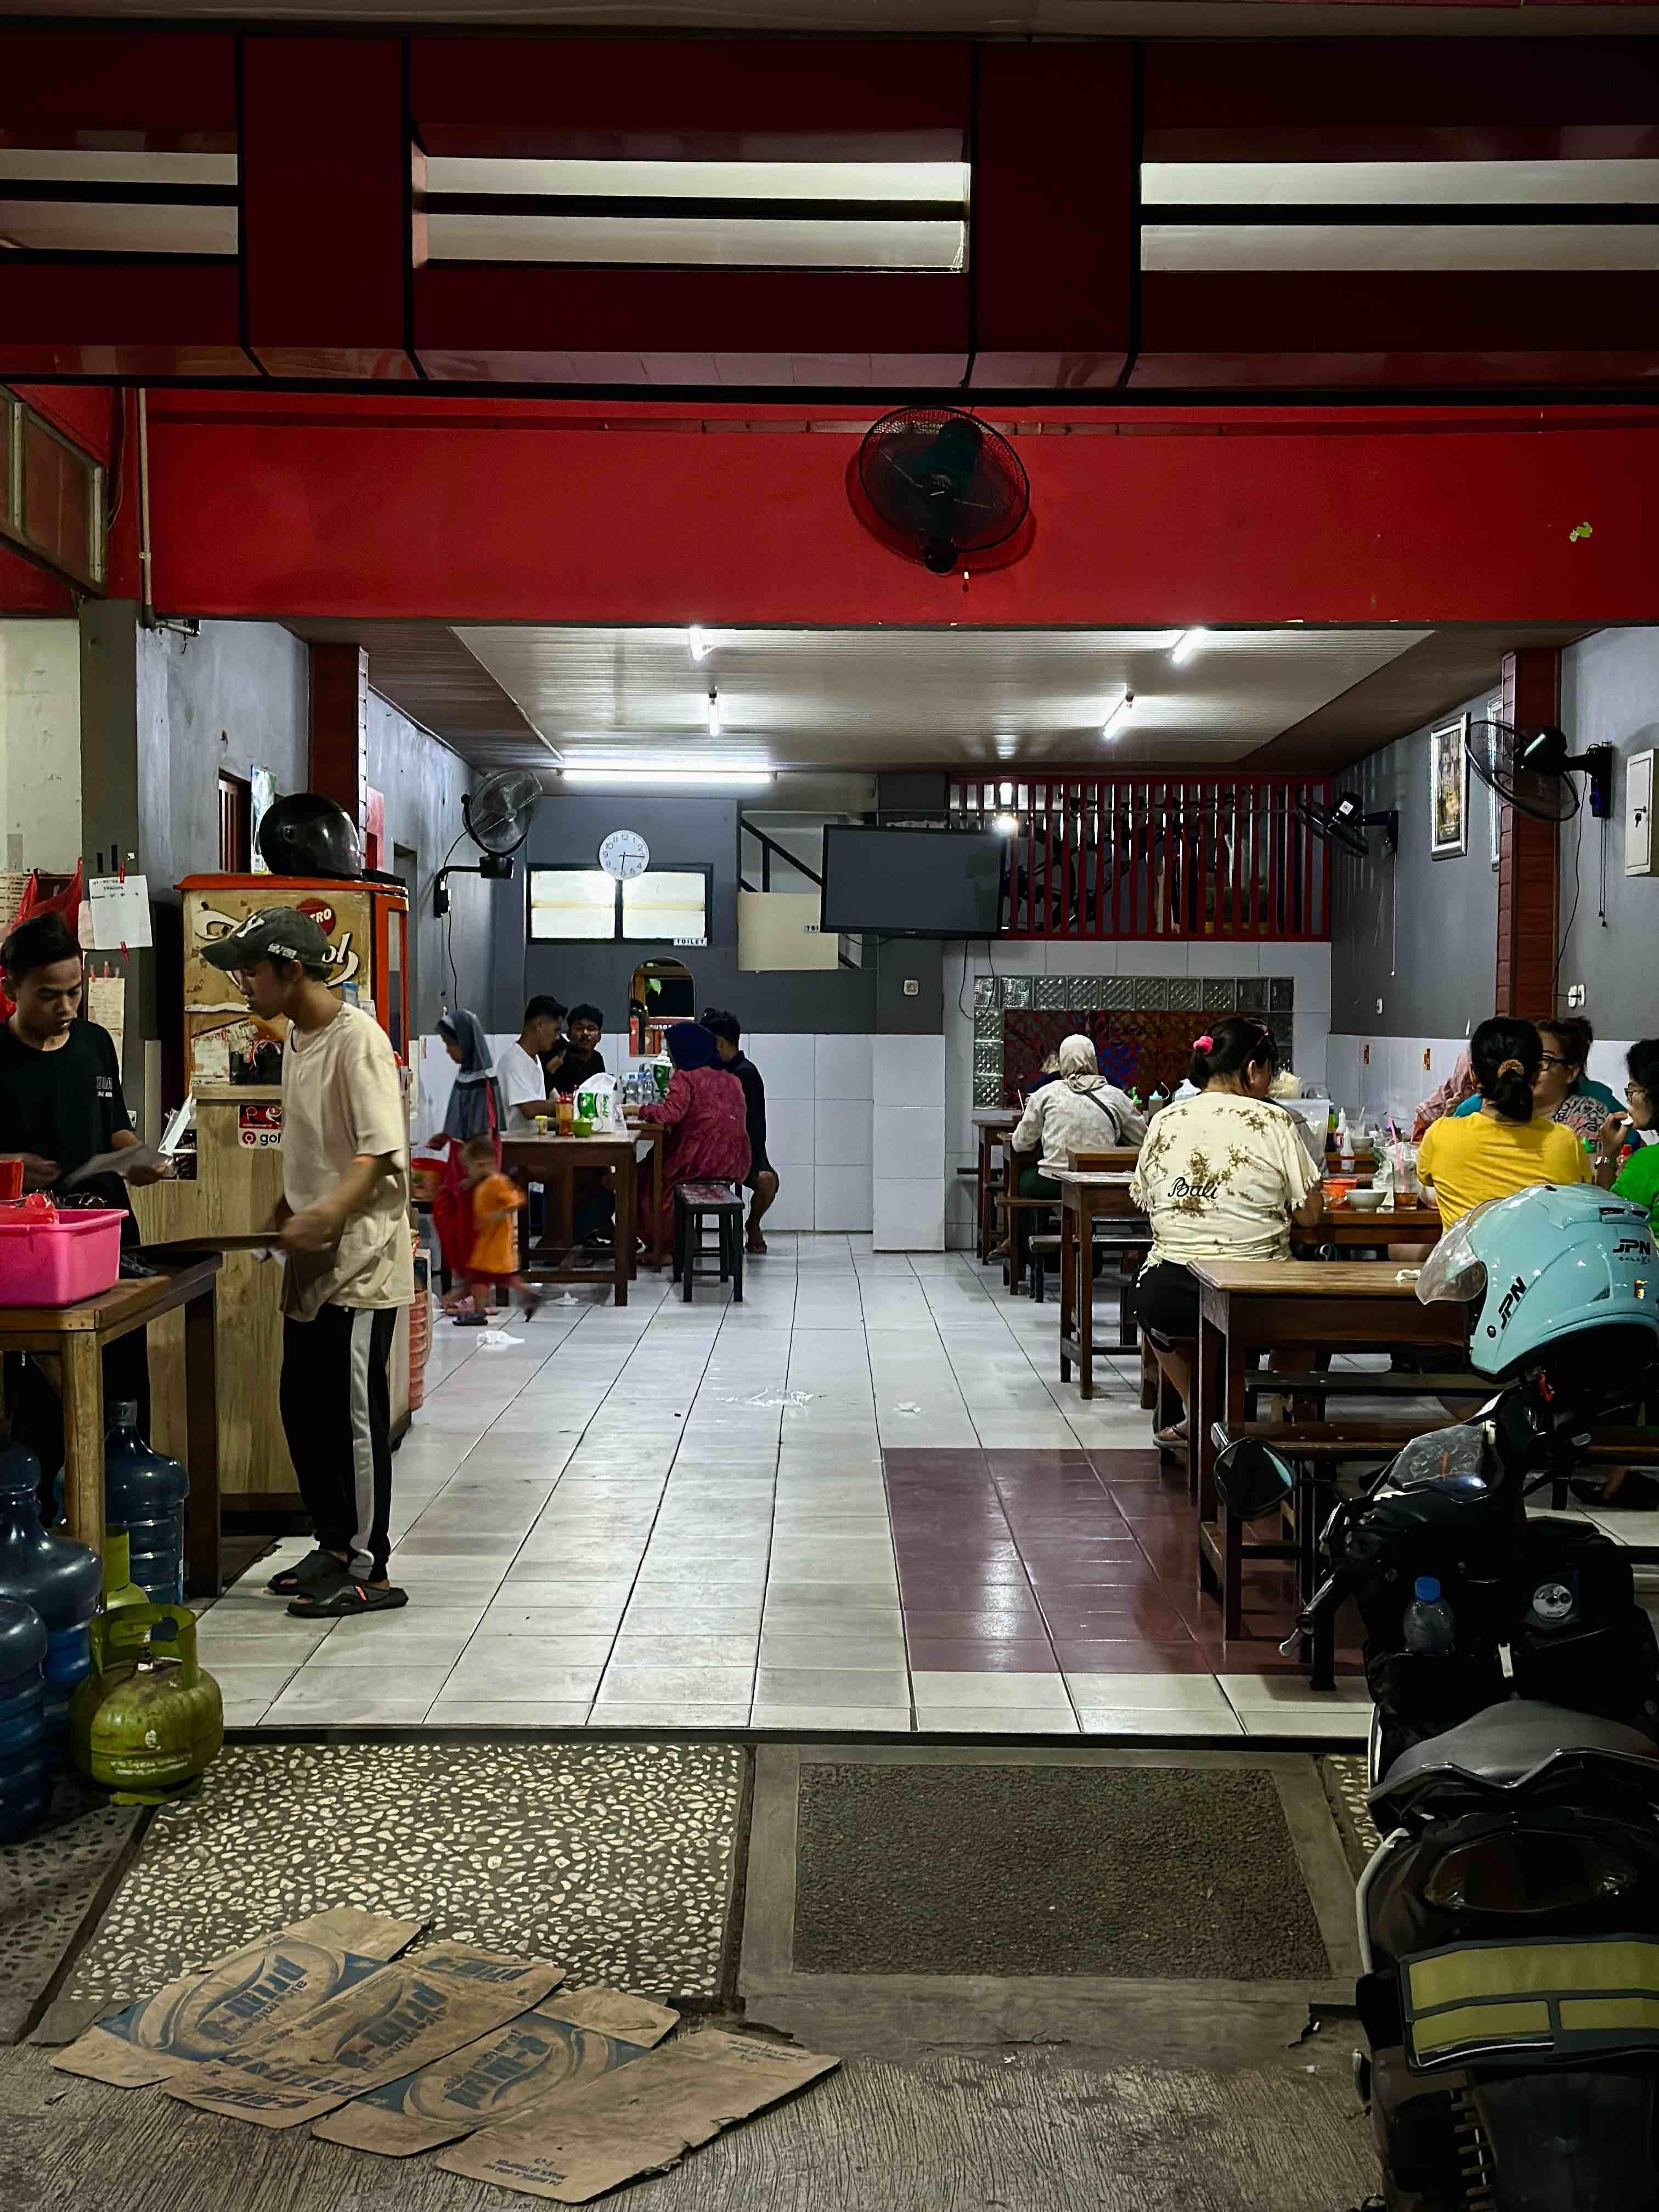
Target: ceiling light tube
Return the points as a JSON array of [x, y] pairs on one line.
[[668, 779], [694, 638], [1127, 700], [714, 714], [1189, 642]]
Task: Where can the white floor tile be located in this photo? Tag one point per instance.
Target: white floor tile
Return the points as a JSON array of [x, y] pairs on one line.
[[855, 1720], [1003, 1691], [669, 1715], [995, 1720]]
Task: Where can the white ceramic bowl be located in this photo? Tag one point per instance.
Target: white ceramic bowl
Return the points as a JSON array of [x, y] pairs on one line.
[[1364, 1201]]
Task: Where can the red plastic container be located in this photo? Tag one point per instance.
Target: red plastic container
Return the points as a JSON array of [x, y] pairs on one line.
[[53, 1263]]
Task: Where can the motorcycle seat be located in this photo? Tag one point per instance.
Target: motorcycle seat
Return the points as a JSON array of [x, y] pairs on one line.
[[1508, 1743]]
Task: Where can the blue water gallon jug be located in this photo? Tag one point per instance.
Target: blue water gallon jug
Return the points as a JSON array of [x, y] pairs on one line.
[[144, 1493], [61, 1579], [26, 1767]]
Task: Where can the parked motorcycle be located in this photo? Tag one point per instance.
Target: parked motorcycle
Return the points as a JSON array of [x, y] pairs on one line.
[[1509, 1919]]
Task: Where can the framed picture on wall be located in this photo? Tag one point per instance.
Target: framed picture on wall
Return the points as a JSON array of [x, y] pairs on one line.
[[1448, 790]]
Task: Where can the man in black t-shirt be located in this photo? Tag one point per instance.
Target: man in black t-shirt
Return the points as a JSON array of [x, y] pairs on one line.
[[763, 1177], [61, 1105]]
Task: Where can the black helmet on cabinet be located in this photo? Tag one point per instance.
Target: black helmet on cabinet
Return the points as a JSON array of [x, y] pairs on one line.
[[306, 835]]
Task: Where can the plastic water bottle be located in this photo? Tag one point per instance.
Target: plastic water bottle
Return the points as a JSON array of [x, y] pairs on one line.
[[1429, 1627]]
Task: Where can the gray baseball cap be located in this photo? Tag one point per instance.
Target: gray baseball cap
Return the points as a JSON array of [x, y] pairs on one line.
[[275, 932]]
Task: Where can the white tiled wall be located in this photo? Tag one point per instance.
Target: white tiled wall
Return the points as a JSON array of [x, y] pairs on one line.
[[909, 1076], [1394, 1073]]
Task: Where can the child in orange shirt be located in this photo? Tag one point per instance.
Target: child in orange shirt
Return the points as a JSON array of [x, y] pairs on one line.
[[492, 1266]]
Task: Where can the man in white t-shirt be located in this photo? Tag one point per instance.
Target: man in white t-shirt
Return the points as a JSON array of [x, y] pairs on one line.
[[519, 1070], [343, 1225]]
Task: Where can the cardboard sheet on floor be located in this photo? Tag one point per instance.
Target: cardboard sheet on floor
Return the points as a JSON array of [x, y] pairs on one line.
[[570, 2040], [641, 2120], [393, 2022], [242, 1999]]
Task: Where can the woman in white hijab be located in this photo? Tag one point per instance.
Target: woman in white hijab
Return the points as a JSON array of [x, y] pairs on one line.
[[1080, 1112]]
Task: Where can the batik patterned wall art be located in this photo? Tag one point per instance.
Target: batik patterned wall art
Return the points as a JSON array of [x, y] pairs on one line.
[[1142, 1026]]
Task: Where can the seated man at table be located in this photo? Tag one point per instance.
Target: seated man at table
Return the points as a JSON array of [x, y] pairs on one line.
[[582, 1059], [761, 1181], [61, 1105], [520, 1075], [1222, 1176]]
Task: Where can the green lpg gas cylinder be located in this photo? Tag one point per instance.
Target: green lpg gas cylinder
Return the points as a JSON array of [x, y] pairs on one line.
[[147, 1721], [119, 1589]]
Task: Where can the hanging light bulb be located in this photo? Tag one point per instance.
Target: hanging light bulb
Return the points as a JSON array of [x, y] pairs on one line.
[[1127, 700], [714, 714], [694, 638], [1006, 824]]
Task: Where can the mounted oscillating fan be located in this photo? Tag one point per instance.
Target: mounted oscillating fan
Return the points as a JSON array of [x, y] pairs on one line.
[[1533, 770], [1345, 823], [944, 483], [497, 816]]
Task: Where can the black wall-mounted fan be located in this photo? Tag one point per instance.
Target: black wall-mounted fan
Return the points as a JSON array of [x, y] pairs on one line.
[[944, 483], [1533, 770], [1346, 822]]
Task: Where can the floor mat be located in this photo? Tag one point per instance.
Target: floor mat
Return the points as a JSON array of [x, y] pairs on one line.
[[1130, 1872], [49, 1883], [616, 1860]]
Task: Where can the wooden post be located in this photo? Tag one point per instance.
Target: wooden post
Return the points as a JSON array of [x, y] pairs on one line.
[[84, 1436], [339, 725], [1529, 871]]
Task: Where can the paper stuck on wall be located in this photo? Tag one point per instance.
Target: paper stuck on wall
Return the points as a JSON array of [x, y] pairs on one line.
[[639, 2120], [107, 1004], [246, 1995], [569, 2041], [121, 912], [393, 2022]]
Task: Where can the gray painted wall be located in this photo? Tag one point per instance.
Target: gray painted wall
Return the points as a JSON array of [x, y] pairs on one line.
[[1420, 935], [1610, 694], [680, 832]]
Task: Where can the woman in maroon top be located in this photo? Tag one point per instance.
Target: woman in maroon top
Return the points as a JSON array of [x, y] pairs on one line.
[[707, 1115]]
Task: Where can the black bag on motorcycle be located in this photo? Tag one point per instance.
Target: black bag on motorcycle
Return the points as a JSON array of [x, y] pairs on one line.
[[1577, 1637]]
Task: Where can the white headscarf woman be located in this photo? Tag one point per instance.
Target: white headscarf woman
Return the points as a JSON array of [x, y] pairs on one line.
[[1081, 1112]]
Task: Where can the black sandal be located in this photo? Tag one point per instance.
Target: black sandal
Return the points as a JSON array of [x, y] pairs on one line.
[[347, 1598], [314, 1572]]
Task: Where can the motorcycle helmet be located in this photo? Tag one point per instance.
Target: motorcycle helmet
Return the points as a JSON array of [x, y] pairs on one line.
[[306, 835], [1559, 1268]]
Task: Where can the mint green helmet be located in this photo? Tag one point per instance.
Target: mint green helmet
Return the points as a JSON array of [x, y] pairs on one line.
[[1565, 1275]]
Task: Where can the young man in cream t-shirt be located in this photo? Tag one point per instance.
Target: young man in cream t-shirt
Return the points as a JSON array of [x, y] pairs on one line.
[[344, 1219]]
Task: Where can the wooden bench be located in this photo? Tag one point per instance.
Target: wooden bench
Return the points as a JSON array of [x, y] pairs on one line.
[[694, 1203]]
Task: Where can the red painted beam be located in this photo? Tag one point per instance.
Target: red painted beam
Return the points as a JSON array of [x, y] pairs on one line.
[[161, 91], [1053, 238], [84, 317], [325, 185], [534, 512], [684, 99]]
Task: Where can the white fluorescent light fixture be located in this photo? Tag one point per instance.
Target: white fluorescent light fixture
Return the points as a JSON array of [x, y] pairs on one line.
[[1006, 825], [694, 638], [670, 779], [1006, 794], [1189, 642], [1127, 700], [714, 714]]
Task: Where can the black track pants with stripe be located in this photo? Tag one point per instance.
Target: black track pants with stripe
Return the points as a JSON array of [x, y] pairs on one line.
[[337, 1416]]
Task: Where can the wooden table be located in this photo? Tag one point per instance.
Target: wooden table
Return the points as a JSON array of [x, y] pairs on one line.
[[553, 1161], [992, 1124], [1351, 1231], [77, 1335], [1251, 1306], [1084, 1198]]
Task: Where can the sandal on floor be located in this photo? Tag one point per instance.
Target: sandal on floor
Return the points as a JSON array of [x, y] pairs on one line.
[[317, 1567], [349, 1597], [1171, 1439]]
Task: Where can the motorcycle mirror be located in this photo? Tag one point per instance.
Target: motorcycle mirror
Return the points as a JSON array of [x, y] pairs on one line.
[[1251, 1478]]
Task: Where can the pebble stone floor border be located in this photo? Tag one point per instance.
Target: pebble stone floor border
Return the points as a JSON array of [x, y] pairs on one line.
[[613, 1860]]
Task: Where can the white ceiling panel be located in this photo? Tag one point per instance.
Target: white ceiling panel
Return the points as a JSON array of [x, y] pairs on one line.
[[904, 698]]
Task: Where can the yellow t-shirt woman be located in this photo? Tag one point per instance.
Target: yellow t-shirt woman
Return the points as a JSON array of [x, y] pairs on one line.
[[1474, 1156]]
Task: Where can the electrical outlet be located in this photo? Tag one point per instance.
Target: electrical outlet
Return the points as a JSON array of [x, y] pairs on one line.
[[1379, 1006], [1574, 995], [912, 988]]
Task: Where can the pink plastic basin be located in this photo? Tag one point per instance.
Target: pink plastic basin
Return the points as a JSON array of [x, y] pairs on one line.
[[53, 1263]]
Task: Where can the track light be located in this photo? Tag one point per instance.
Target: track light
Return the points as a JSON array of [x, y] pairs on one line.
[[714, 714], [1189, 642], [694, 638], [1127, 700]]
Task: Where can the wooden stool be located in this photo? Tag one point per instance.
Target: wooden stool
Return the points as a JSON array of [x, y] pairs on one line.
[[694, 1203]]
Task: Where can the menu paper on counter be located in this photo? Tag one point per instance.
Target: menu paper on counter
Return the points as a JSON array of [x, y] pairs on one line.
[[573, 2038], [641, 2120], [395, 2022], [237, 2000]]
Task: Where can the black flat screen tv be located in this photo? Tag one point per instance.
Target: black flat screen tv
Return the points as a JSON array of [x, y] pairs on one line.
[[912, 883]]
